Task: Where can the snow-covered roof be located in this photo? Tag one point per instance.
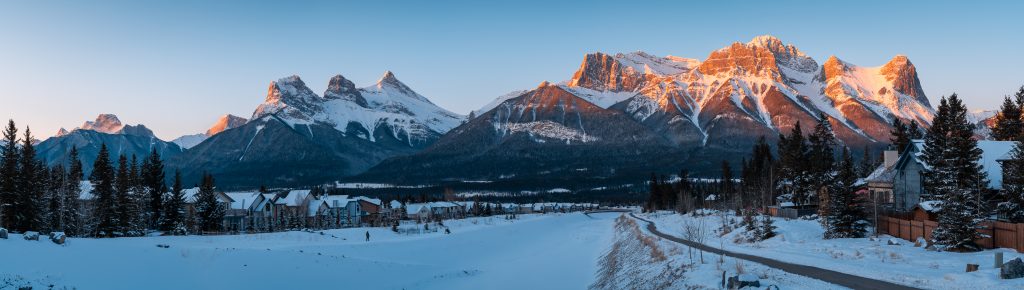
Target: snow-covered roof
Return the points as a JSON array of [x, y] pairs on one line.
[[881, 174], [190, 194], [396, 204], [414, 208], [267, 198], [314, 207], [711, 197], [242, 199], [293, 198], [336, 201], [370, 200]]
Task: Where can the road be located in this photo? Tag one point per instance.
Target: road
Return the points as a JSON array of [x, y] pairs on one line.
[[838, 278]]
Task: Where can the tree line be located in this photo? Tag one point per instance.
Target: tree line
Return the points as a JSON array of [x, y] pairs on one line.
[[129, 198]]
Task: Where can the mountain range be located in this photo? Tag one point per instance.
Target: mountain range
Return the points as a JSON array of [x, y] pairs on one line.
[[703, 111], [106, 129], [617, 115]]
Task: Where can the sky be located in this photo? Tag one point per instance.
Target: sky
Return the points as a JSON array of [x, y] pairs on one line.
[[176, 66]]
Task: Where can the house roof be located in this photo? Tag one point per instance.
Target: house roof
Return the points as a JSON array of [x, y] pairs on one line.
[[314, 207], [336, 201], [292, 198], [370, 200], [242, 199]]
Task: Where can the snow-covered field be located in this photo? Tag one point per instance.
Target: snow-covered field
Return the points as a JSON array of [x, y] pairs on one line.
[[801, 242], [553, 251]]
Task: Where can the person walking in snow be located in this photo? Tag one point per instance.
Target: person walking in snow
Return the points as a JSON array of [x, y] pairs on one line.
[[367, 236]]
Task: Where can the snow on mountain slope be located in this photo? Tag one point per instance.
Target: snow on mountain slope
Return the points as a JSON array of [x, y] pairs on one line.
[[747, 90], [389, 105], [110, 124]]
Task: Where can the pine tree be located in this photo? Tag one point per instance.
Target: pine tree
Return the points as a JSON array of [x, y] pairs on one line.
[[728, 188], [25, 205], [900, 135], [821, 158], [209, 210], [847, 217], [957, 179], [914, 131], [867, 163], [173, 218], [1013, 185], [122, 189], [55, 199], [153, 178], [8, 174], [793, 165], [1008, 122], [767, 230], [102, 178], [654, 199], [72, 191]]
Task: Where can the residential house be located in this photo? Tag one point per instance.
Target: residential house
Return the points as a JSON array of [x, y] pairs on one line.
[[906, 174]]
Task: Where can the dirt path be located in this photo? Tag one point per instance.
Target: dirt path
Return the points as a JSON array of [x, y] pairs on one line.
[[838, 278]]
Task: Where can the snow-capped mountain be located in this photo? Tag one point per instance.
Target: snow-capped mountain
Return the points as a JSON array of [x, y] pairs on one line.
[[296, 137], [225, 122], [110, 124], [757, 88], [387, 107], [106, 129], [716, 108]]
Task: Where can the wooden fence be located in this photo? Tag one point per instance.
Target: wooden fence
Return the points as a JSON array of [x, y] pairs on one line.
[[999, 234]]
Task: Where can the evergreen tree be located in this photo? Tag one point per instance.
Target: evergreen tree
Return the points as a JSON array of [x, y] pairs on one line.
[[8, 174], [1008, 121], [173, 217], [1013, 185], [72, 191], [821, 157], [209, 210], [900, 135], [154, 181], [867, 163], [728, 188], [956, 178], [914, 131], [654, 199], [767, 230], [847, 219], [122, 188], [55, 199], [24, 209], [793, 165], [102, 178]]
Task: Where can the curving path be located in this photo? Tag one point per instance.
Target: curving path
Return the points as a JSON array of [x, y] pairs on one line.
[[838, 278]]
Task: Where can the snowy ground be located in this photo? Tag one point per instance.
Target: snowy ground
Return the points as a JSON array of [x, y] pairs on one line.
[[638, 259], [800, 241], [553, 251]]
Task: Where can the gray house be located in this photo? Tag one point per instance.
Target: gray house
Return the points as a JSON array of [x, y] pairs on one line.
[[899, 183]]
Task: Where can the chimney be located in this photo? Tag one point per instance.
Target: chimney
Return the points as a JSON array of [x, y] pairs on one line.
[[889, 157]]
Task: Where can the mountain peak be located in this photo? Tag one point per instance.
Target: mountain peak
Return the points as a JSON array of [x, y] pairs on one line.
[[902, 73], [340, 88], [225, 122], [105, 123], [544, 84], [765, 41], [834, 67], [61, 132], [388, 77]]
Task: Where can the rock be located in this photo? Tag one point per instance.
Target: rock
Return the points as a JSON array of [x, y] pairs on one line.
[[31, 236], [57, 238], [972, 267], [893, 242], [1012, 270], [3, 233], [743, 280]]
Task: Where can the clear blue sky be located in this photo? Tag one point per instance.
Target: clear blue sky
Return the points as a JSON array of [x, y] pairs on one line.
[[176, 66]]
